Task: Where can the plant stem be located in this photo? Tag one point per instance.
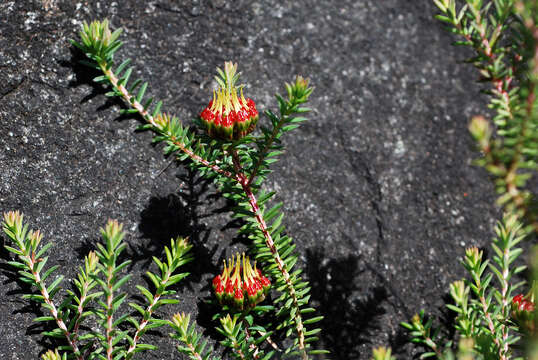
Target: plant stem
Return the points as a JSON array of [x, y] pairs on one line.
[[503, 350], [109, 312], [487, 315], [433, 346], [80, 308], [147, 317], [243, 180], [32, 262], [247, 337], [131, 100], [196, 355]]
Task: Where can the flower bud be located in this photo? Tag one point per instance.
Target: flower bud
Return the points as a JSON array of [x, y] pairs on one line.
[[481, 131], [239, 298], [229, 116], [50, 355]]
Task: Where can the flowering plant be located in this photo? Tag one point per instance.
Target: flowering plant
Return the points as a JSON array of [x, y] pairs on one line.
[[490, 321], [226, 150]]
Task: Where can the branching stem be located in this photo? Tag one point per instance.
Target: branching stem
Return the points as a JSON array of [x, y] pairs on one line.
[[243, 180], [109, 312], [131, 100], [80, 308], [32, 262], [147, 317]]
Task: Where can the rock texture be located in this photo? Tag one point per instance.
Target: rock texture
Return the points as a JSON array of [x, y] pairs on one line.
[[378, 188]]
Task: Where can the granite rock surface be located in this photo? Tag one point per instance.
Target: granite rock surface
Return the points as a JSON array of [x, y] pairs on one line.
[[378, 187]]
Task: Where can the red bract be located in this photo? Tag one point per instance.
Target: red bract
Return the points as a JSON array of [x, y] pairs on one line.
[[517, 299], [240, 285], [229, 116], [522, 304], [523, 313]]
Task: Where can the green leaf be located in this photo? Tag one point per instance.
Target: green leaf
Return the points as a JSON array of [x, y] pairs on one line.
[[34, 297], [175, 278], [144, 347], [138, 308], [43, 250], [122, 66], [146, 293], [141, 92], [154, 279], [120, 282], [157, 108], [313, 320], [12, 250], [318, 352], [100, 79], [289, 127], [117, 301], [56, 282], [44, 318], [56, 333]]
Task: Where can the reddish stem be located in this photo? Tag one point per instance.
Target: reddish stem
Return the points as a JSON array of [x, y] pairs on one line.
[[109, 316], [52, 308], [243, 180], [131, 100], [143, 324]]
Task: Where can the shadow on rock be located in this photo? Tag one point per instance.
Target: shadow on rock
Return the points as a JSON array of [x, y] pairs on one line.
[[85, 75], [178, 214], [348, 317]]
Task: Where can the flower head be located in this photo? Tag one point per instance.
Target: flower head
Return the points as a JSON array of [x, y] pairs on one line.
[[240, 285], [523, 312], [229, 116]]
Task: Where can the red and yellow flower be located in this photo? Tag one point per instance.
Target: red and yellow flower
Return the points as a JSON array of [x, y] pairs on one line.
[[240, 285], [229, 116]]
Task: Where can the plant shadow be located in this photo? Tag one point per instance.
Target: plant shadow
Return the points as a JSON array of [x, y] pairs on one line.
[[349, 318], [85, 75], [181, 214]]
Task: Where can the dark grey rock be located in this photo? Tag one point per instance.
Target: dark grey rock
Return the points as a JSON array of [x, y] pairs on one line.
[[379, 191]]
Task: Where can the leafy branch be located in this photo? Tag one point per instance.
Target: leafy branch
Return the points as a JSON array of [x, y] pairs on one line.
[[176, 255], [503, 35], [31, 264], [101, 269], [269, 145], [484, 311], [231, 161], [186, 333], [100, 44]]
